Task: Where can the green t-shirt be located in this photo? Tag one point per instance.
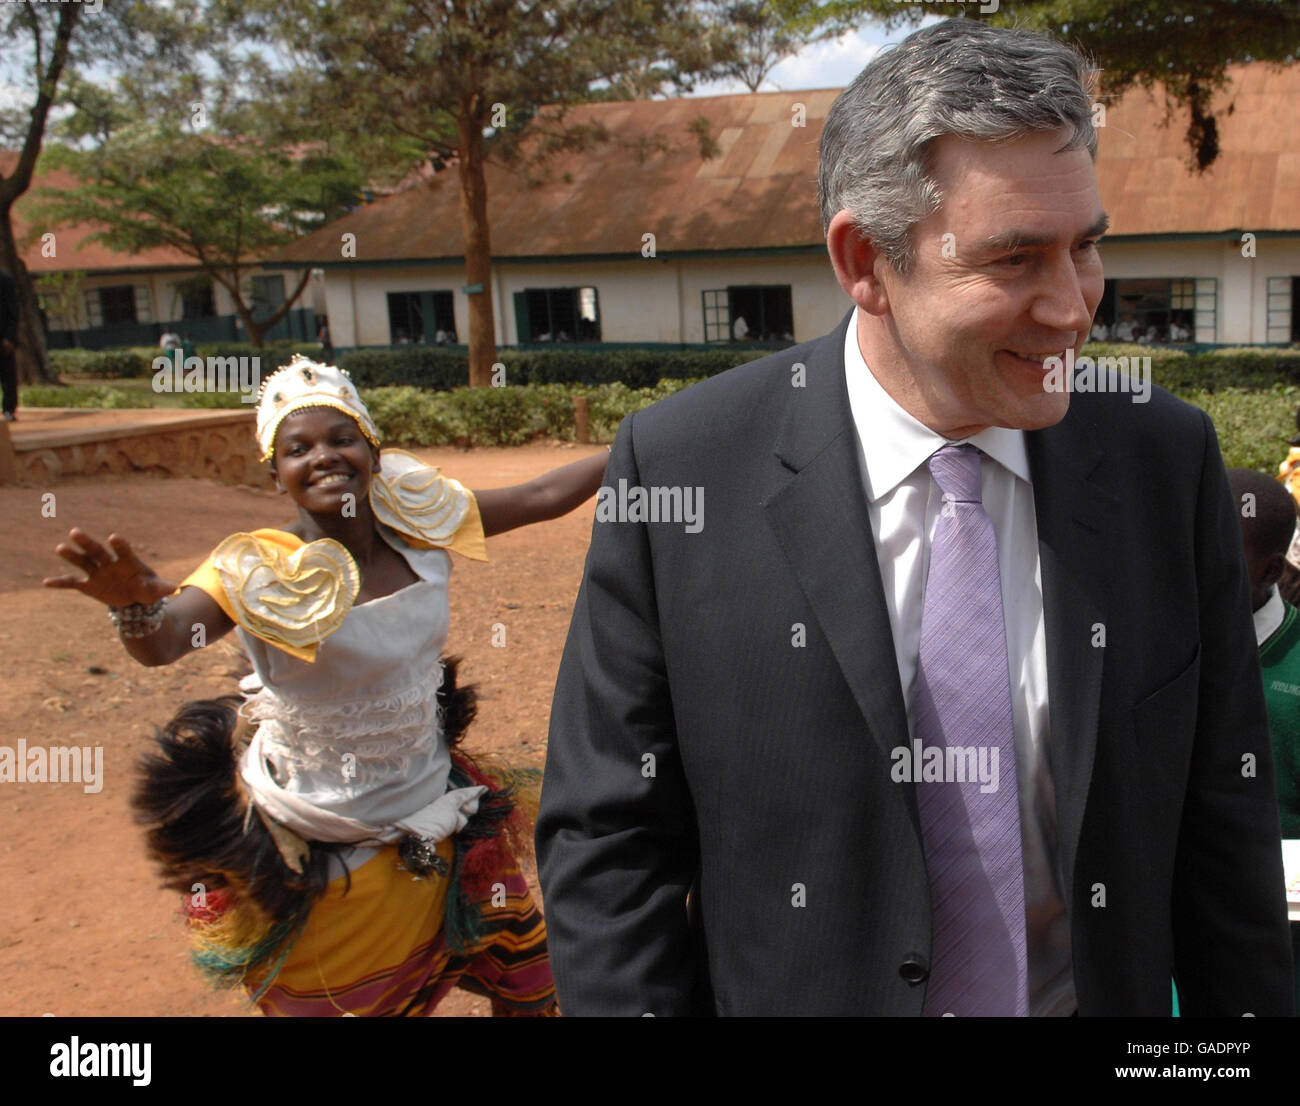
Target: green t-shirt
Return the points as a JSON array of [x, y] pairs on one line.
[[1279, 661]]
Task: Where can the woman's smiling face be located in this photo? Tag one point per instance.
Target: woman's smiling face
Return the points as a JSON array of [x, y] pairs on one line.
[[320, 457]]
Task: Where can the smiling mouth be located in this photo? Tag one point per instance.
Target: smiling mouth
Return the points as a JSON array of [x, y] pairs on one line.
[[331, 480], [1034, 360]]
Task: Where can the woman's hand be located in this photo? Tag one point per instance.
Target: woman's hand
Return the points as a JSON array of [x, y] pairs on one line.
[[114, 574]]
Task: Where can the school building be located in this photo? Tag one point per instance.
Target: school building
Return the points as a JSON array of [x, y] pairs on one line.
[[641, 240]]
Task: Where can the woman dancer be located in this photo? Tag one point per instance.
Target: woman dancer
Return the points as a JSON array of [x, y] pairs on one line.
[[338, 856]]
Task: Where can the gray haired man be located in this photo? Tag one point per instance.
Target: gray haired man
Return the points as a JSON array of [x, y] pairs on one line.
[[953, 705]]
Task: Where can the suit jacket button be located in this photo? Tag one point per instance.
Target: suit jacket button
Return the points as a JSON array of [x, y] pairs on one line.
[[914, 968]]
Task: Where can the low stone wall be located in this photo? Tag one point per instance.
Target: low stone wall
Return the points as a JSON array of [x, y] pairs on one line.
[[220, 445]]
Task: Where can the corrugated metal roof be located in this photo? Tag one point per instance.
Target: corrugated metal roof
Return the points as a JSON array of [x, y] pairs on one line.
[[72, 251], [760, 190]]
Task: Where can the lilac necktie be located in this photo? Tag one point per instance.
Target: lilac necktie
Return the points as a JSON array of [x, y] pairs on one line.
[[971, 832]]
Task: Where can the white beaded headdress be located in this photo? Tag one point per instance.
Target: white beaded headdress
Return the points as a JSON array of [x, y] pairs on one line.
[[307, 383]]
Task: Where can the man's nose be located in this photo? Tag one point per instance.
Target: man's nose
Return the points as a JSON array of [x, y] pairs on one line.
[[1060, 303]]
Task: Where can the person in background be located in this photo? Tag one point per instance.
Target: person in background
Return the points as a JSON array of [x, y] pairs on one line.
[[170, 340], [1268, 520], [9, 344], [1289, 585], [323, 337]]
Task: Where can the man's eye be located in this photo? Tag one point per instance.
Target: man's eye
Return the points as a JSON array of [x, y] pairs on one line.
[[1015, 259]]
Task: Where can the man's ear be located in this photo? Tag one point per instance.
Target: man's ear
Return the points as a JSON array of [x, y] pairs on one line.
[[857, 264], [1273, 570]]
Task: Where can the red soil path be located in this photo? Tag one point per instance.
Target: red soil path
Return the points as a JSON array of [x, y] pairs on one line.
[[84, 928]]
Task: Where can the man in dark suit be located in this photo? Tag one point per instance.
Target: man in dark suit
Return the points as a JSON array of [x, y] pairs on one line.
[[802, 759], [8, 345]]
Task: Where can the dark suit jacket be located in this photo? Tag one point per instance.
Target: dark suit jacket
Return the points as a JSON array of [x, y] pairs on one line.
[[771, 763]]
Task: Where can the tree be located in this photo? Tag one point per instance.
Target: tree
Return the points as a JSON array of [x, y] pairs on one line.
[[1184, 45], [461, 83], [206, 186], [59, 295], [757, 36], [42, 48], [50, 46]]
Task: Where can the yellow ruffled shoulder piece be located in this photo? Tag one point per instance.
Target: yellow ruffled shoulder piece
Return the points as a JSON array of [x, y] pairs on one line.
[[429, 510], [290, 593]]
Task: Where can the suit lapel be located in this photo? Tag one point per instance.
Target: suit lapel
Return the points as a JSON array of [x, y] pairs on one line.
[[818, 513], [1071, 506], [819, 516]]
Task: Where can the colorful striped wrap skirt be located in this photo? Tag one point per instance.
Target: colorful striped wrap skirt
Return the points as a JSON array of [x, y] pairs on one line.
[[380, 942]]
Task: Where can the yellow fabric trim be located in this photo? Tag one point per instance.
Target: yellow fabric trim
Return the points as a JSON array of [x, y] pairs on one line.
[[312, 587], [417, 501]]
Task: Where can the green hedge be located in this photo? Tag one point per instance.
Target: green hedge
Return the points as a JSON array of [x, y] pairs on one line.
[[50, 395], [1251, 395], [137, 361], [445, 369], [504, 416]]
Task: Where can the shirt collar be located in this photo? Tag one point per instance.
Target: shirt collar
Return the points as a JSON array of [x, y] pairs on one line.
[[894, 443], [1269, 617]]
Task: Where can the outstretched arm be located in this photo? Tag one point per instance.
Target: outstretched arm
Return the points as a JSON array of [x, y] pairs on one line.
[[117, 577], [549, 496]]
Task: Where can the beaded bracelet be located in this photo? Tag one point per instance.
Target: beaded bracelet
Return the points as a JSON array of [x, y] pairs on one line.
[[139, 619]]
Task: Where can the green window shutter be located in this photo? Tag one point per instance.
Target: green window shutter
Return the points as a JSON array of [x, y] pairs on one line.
[[522, 324]]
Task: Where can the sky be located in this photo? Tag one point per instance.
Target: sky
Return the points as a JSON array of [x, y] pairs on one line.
[[831, 64]]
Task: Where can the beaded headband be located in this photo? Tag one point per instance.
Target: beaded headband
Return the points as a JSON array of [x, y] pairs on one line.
[[306, 383]]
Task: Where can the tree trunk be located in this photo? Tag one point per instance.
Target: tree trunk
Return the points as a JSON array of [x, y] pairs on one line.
[[478, 246], [33, 365]]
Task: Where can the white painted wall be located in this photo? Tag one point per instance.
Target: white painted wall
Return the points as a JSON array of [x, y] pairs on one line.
[[659, 299], [1242, 281]]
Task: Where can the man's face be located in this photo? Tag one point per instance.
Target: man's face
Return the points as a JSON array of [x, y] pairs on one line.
[[1007, 266]]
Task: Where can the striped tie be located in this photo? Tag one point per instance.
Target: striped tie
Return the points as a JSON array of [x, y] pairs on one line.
[[971, 831]]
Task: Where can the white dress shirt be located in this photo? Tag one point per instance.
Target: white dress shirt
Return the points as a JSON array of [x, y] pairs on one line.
[[1269, 617], [904, 504]]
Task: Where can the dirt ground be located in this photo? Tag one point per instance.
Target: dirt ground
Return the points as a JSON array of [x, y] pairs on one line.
[[84, 928]]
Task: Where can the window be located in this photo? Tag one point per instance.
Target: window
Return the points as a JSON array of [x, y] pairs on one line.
[[267, 294], [749, 313], [557, 315], [1156, 310], [118, 304], [717, 316], [196, 299], [415, 317], [1283, 309]]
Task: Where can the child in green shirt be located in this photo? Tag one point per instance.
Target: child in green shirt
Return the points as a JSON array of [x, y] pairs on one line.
[[1268, 521]]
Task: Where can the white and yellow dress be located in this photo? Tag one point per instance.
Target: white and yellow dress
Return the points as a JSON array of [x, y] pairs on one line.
[[348, 749]]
